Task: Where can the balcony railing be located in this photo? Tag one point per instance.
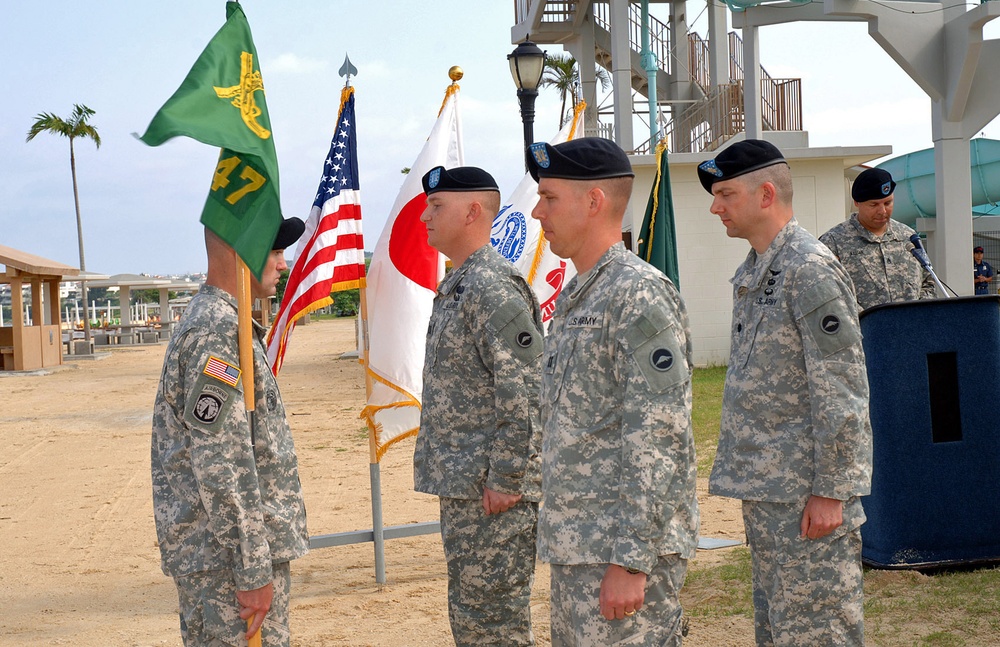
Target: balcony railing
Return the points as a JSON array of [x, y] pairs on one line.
[[781, 99], [659, 32], [709, 123]]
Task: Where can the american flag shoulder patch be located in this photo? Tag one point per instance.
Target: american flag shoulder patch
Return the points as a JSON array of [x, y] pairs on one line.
[[223, 371]]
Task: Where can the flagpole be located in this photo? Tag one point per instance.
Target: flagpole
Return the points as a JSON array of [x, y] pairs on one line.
[[246, 339], [245, 315], [374, 470]]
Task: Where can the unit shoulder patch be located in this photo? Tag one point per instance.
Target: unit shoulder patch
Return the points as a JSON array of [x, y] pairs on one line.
[[209, 405]]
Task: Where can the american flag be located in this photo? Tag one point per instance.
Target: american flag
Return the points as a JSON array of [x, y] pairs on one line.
[[331, 252], [221, 370]]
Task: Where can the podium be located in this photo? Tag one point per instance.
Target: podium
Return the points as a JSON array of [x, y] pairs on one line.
[[934, 373]]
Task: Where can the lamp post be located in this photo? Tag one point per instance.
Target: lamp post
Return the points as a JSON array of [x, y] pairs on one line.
[[526, 64]]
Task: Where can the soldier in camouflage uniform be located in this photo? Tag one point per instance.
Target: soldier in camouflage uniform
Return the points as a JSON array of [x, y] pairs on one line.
[[875, 249], [226, 497], [795, 443], [619, 517], [478, 447]]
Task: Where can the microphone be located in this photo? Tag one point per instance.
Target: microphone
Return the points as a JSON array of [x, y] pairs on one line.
[[920, 254]]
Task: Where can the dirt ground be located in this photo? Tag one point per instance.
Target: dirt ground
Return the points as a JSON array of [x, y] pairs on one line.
[[80, 565]]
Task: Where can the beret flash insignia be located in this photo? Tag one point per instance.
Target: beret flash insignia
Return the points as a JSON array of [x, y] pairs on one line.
[[540, 154], [710, 167]]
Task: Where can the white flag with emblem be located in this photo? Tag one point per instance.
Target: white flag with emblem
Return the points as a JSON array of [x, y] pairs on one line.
[[519, 237]]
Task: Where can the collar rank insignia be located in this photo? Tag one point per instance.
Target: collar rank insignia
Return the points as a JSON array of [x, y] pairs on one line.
[[886, 188], [710, 167], [540, 154], [222, 371], [435, 178]]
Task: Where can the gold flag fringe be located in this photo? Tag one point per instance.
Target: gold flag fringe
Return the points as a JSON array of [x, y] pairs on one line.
[[661, 148], [448, 94], [368, 415]]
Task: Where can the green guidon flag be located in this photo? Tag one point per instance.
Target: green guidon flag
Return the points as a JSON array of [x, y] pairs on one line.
[[657, 244], [221, 103]]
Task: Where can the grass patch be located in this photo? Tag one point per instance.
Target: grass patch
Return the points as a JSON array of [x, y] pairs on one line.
[[957, 608], [902, 608], [719, 591], [948, 609], [706, 413]]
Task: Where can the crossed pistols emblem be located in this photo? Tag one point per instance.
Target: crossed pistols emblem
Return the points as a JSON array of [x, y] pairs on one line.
[[242, 95]]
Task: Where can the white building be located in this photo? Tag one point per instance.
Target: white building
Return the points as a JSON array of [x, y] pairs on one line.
[[706, 108]]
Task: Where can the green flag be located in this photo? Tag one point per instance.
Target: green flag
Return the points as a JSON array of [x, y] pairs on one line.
[[657, 243], [221, 103]]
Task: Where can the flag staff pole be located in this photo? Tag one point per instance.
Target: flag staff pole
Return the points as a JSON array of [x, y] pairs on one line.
[[374, 471], [245, 317], [373, 463], [246, 340]]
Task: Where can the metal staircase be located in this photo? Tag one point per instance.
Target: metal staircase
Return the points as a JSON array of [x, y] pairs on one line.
[[706, 125], [716, 113]]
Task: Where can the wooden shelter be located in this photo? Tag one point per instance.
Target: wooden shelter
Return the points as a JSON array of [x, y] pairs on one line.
[[39, 345]]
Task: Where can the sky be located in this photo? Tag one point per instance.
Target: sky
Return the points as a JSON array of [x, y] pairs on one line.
[[140, 205]]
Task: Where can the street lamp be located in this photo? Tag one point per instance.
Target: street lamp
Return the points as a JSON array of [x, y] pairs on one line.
[[526, 64]]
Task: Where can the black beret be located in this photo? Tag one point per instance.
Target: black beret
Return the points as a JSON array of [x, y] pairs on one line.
[[872, 184], [586, 158], [460, 178], [739, 159], [289, 232]]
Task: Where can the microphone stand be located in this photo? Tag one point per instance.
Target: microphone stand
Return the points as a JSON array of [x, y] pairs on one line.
[[920, 254]]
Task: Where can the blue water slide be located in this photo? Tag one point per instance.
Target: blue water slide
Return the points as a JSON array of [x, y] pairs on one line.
[[915, 191]]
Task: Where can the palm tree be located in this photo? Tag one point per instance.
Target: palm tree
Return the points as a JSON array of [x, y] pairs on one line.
[[562, 73], [76, 126]]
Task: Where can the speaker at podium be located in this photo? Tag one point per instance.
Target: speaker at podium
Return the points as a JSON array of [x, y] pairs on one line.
[[934, 373]]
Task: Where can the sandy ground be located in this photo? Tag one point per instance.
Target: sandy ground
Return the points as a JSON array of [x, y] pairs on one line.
[[80, 565]]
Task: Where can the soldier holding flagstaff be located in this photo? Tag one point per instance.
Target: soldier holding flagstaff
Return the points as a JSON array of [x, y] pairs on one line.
[[226, 494]]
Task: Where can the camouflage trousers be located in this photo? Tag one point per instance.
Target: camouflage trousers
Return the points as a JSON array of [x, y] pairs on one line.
[[491, 566], [805, 591], [210, 614], [576, 607]]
